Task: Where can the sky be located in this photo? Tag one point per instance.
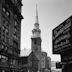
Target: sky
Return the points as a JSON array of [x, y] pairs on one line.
[[51, 13]]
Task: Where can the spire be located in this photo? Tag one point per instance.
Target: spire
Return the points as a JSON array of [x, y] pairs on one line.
[[36, 14], [36, 31]]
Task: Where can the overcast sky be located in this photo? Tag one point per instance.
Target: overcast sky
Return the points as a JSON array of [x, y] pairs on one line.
[[51, 13]]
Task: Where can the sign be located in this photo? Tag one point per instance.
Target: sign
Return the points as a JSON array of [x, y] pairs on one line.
[[62, 36], [59, 65], [66, 58]]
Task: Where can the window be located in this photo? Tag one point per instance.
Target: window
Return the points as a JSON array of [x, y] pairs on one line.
[[0, 37], [15, 30], [14, 35], [3, 27], [35, 41], [6, 11], [14, 61], [15, 16], [3, 31], [0, 31], [4, 58], [15, 23], [10, 51], [15, 26], [15, 0], [6, 30], [7, 39], [0, 56], [3, 39], [2, 46], [15, 43], [3, 36], [3, 21], [6, 48], [0, 28], [11, 62], [7, 24]]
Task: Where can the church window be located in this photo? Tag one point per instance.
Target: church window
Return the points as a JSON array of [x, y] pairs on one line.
[[35, 42]]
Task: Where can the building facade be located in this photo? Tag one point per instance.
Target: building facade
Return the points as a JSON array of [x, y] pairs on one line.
[[28, 61], [62, 44], [10, 30], [24, 61], [32, 62]]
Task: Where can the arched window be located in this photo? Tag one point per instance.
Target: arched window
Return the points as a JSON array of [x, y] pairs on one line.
[[35, 42]]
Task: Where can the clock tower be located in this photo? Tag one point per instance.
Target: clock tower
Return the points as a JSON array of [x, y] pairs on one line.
[[36, 36]]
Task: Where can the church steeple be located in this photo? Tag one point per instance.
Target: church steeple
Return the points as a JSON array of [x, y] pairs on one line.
[[36, 31], [36, 38]]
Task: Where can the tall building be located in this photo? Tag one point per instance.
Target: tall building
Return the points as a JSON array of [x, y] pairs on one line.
[[10, 30]]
